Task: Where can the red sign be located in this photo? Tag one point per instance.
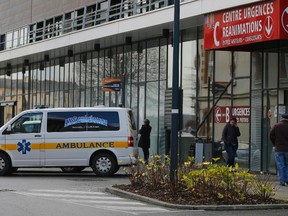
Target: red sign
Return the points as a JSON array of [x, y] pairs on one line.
[[284, 19], [222, 114], [247, 24]]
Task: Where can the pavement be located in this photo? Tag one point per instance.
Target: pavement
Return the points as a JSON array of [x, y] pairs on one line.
[[281, 193]]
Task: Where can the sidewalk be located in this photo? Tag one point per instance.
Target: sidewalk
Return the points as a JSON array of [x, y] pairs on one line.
[[280, 193]]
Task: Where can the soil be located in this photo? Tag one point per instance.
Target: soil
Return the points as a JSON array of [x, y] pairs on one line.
[[188, 198]]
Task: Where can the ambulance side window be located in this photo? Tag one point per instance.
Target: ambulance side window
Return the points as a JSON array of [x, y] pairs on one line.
[[83, 121], [28, 123], [133, 123], [103, 121]]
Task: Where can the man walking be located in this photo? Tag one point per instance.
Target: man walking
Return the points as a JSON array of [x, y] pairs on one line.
[[229, 135], [279, 138]]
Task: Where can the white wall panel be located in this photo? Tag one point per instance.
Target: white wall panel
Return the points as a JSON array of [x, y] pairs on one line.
[[214, 5]]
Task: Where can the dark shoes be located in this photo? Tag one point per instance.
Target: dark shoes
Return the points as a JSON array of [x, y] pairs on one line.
[[284, 184]]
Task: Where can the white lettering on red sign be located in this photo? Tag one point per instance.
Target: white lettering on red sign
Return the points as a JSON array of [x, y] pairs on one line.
[[249, 27], [242, 28], [244, 25], [242, 111], [232, 16], [248, 13], [227, 114], [223, 114]]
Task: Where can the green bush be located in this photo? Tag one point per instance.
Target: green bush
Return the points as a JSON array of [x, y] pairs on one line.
[[216, 182], [226, 183], [153, 174]]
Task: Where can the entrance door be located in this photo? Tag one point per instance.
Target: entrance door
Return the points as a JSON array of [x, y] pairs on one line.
[[282, 103], [269, 119]]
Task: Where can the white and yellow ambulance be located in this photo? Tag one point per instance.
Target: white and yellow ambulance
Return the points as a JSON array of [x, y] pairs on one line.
[[103, 138]]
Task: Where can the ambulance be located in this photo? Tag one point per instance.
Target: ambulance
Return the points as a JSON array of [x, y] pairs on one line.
[[103, 138]]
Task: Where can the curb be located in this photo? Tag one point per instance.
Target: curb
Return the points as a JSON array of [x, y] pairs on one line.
[[129, 195]]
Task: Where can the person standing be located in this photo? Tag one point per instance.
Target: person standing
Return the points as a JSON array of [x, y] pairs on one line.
[[144, 141], [279, 139], [230, 136]]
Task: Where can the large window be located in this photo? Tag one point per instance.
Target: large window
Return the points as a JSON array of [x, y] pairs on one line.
[[188, 80], [232, 71]]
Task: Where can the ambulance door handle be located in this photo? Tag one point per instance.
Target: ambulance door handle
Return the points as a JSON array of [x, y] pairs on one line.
[[38, 136]]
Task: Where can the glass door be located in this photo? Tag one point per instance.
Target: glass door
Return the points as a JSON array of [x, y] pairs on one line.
[[268, 120]]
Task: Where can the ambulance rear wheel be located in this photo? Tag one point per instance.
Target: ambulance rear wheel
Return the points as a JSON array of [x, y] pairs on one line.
[[5, 164], [104, 164], [72, 169]]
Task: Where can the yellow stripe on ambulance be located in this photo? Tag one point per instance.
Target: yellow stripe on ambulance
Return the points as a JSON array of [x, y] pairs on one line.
[[69, 145]]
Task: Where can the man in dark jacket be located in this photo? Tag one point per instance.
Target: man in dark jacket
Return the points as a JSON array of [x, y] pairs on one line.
[[279, 138], [144, 141], [229, 135]]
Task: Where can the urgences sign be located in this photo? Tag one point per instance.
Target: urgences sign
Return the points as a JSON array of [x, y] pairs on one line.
[[247, 24]]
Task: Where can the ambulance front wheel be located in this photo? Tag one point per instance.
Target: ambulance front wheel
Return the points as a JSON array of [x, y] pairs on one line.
[[104, 164], [5, 164]]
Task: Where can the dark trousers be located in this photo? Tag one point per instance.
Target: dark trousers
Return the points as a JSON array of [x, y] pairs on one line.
[[231, 153], [146, 153]]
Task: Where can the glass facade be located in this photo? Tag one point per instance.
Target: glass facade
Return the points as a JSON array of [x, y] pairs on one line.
[[214, 85], [76, 81]]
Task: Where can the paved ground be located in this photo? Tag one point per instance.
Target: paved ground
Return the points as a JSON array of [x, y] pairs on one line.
[[281, 191]]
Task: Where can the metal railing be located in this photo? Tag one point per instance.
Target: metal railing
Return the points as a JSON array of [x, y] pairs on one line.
[[84, 17]]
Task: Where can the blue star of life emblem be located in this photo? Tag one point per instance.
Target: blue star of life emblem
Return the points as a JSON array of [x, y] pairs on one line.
[[24, 146]]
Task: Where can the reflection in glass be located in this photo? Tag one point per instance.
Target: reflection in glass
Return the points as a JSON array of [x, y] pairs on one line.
[[152, 101], [256, 67], [188, 86], [152, 60], [9, 39], [270, 72], [283, 68]]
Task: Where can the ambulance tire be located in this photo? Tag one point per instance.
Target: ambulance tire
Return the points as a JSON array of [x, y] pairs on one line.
[[72, 169], [116, 169], [5, 164], [104, 164]]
